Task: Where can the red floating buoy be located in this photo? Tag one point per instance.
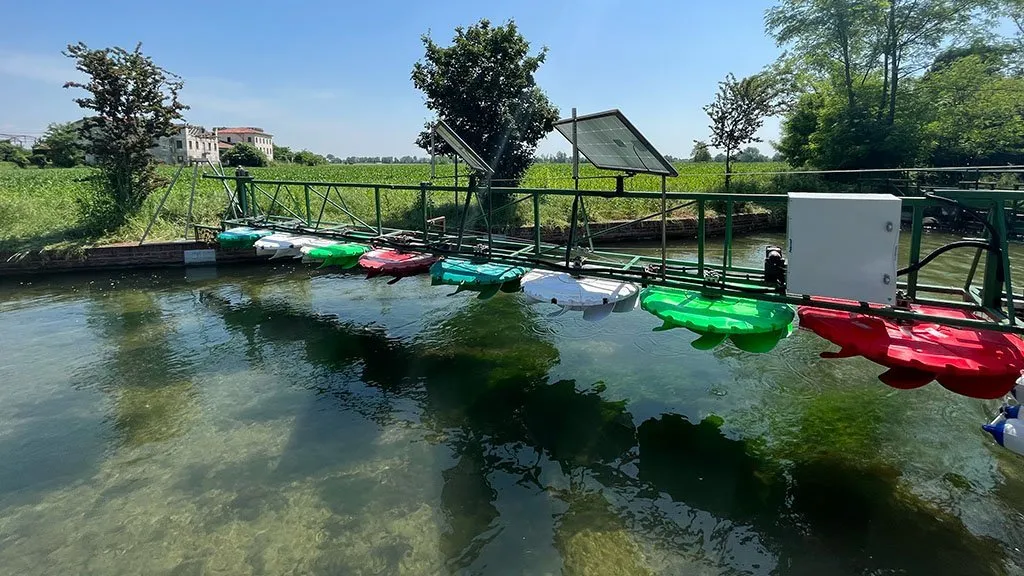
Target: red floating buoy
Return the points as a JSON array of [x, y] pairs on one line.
[[389, 262], [968, 361]]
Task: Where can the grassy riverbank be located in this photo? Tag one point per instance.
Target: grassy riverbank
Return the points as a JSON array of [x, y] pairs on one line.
[[41, 208]]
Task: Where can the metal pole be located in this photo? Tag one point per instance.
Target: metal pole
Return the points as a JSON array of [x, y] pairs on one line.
[[240, 191], [456, 158], [191, 197], [916, 230], [376, 203], [490, 217], [664, 223], [433, 169], [700, 237], [536, 223], [161, 205], [423, 208], [576, 187], [309, 215]]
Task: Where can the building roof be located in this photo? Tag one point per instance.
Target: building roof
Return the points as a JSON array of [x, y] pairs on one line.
[[224, 145], [243, 130]]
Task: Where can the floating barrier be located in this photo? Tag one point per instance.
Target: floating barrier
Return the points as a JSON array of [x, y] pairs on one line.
[[241, 237], [344, 255], [285, 245], [485, 278], [395, 263], [1007, 431], [753, 326], [977, 363], [596, 297]]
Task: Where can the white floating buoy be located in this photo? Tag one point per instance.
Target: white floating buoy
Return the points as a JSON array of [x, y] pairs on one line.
[[595, 297], [1007, 431], [1017, 392]]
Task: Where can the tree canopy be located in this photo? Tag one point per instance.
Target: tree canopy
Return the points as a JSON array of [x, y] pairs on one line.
[[700, 152], [135, 102], [739, 110], [896, 83], [483, 86], [63, 145], [243, 154]]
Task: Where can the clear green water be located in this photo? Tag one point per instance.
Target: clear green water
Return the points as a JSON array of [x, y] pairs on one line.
[[280, 420]]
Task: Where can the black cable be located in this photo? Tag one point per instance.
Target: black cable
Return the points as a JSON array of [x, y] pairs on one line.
[[942, 250], [988, 225]]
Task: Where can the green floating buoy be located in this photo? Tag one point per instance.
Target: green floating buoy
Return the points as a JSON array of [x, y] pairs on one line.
[[343, 255], [752, 325], [241, 237], [486, 278]]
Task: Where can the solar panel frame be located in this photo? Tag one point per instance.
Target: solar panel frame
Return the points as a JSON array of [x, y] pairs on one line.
[[606, 161], [468, 155]]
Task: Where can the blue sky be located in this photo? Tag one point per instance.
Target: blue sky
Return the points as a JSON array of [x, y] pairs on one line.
[[333, 77]]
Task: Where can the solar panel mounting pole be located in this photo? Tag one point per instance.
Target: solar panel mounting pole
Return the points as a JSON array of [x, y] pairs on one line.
[[664, 216], [576, 186], [433, 168]]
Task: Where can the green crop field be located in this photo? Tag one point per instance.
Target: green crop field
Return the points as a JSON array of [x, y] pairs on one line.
[[40, 208]]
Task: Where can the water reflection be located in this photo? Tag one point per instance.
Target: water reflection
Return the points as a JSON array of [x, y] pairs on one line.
[[667, 494], [145, 374]]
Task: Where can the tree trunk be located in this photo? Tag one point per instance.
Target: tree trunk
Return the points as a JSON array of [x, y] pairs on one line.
[[885, 84], [894, 60], [892, 89], [845, 39], [728, 163]]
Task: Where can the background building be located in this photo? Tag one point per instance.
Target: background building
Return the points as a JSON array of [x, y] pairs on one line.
[[250, 135], [190, 143]]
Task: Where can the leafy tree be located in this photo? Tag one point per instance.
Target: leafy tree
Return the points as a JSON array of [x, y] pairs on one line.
[[483, 86], [283, 154], [977, 116], [308, 158], [13, 154], [719, 158], [63, 145], [38, 159], [798, 128], [751, 154], [849, 42], [135, 102], [243, 154], [700, 151], [738, 112]]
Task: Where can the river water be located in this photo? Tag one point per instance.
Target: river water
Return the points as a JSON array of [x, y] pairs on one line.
[[282, 420]]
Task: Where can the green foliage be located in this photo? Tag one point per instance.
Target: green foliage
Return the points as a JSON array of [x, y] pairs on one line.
[[283, 154], [38, 210], [483, 86], [977, 115], [63, 145], [739, 110], [864, 106], [307, 158], [751, 154], [38, 159], [135, 102], [700, 152], [243, 154], [13, 154]]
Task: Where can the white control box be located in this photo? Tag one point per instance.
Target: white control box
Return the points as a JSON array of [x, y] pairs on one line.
[[843, 246]]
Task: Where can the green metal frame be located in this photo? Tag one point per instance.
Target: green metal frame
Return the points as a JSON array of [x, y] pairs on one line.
[[992, 301]]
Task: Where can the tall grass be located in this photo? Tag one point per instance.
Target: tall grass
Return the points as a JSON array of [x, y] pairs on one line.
[[40, 208]]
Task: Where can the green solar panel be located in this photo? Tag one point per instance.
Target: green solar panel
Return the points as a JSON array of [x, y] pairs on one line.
[[610, 142]]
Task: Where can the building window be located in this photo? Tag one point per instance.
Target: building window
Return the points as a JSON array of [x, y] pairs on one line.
[[250, 139], [178, 142], [229, 139]]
